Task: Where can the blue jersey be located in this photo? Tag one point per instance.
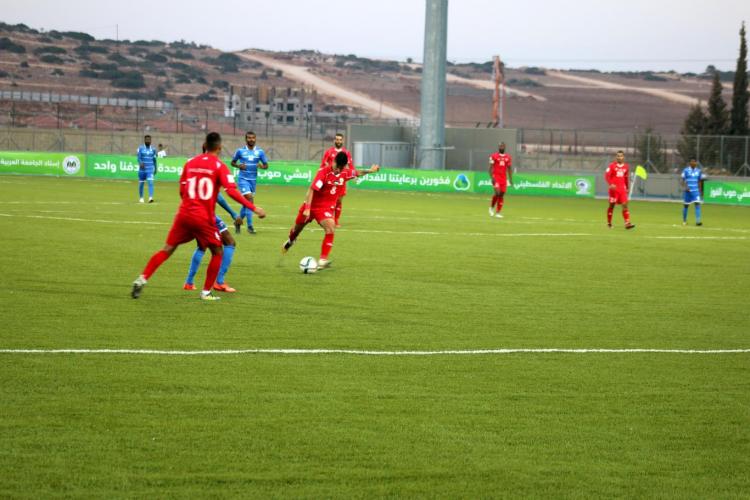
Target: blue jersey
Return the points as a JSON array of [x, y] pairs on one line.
[[147, 156], [692, 178], [251, 158]]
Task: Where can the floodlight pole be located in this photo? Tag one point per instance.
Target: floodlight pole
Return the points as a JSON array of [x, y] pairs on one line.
[[432, 112]]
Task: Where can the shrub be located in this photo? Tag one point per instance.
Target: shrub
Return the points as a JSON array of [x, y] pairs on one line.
[[52, 59], [49, 49], [8, 45]]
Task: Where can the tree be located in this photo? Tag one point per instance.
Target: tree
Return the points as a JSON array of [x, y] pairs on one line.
[[695, 125], [717, 115], [739, 122]]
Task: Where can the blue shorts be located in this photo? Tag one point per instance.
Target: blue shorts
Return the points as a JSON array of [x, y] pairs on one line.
[[145, 174], [692, 197], [245, 186], [220, 225]]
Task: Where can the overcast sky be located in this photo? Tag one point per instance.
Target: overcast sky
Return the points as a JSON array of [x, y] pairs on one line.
[[685, 35]]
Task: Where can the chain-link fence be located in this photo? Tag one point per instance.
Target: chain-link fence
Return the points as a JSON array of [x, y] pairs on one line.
[[120, 129]]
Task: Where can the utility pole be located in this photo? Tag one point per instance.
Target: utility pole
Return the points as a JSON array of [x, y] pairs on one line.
[[432, 111]]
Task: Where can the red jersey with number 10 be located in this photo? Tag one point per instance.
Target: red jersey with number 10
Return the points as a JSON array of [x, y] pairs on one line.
[[199, 186], [617, 174], [501, 162], [327, 186]]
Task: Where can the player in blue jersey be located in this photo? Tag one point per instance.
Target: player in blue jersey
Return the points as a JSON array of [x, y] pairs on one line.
[[692, 183], [229, 245], [248, 159], [146, 168]]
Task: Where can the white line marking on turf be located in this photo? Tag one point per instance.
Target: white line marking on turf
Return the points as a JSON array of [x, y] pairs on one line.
[[373, 353], [697, 237], [76, 219]]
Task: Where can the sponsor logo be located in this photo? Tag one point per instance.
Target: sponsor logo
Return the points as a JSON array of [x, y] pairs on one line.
[[71, 165], [462, 183], [583, 187]]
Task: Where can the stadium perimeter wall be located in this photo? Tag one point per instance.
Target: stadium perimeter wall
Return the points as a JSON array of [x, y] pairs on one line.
[[583, 185]]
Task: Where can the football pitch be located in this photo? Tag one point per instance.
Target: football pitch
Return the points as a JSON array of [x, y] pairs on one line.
[[648, 393]]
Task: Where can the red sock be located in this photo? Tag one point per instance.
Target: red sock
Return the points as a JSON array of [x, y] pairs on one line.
[[610, 211], [626, 215], [337, 214], [500, 200], [494, 201], [213, 271], [154, 262], [292, 235], [325, 249]]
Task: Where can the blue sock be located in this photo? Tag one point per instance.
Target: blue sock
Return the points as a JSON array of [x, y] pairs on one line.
[[226, 261], [151, 189], [249, 217], [697, 212], [243, 212], [140, 189], [684, 213], [194, 265]]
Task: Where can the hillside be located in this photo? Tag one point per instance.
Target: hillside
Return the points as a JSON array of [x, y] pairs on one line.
[[195, 78]]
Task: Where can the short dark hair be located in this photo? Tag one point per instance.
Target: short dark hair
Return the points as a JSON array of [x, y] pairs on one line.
[[692, 158], [249, 132], [213, 141], [342, 159], [339, 134], [620, 151], [147, 136]]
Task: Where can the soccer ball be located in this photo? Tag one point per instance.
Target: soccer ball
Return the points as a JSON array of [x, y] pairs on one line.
[[308, 265]]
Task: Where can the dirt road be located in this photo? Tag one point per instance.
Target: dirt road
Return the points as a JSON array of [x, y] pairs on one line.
[[303, 75], [664, 94]]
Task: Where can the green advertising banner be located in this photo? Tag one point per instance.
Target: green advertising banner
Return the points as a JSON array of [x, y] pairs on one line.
[[287, 173], [582, 186], [126, 167], [435, 181], [302, 174], [727, 193], [62, 164]]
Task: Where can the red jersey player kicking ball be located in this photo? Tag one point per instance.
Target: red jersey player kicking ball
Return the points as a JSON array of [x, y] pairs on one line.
[[617, 176], [200, 181], [320, 203], [328, 160], [500, 173]]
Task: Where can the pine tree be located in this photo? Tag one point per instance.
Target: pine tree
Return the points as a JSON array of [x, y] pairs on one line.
[[718, 117], [695, 125], [739, 124]]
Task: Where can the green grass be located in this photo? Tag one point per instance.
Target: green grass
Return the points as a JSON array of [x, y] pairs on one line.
[[411, 272]]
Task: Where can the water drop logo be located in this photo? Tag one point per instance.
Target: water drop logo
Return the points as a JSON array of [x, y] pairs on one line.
[[71, 165], [583, 187], [461, 183]]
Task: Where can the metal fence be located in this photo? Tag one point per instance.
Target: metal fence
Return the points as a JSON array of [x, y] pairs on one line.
[[109, 129]]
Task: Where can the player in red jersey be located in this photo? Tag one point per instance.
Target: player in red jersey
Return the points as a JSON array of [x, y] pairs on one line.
[[199, 186], [328, 160], [617, 176], [501, 173], [320, 203]]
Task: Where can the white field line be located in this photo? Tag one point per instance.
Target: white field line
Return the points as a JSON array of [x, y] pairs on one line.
[[525, 220], [358, 352], [284, 228], [697, 237]]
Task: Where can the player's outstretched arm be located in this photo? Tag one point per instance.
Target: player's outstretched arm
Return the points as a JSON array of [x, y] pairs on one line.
[[370, 170], [236, 196]]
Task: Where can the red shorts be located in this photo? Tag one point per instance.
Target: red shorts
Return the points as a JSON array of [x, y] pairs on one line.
[[316, 214], [618, 196], [186, 229], [500, 185]]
